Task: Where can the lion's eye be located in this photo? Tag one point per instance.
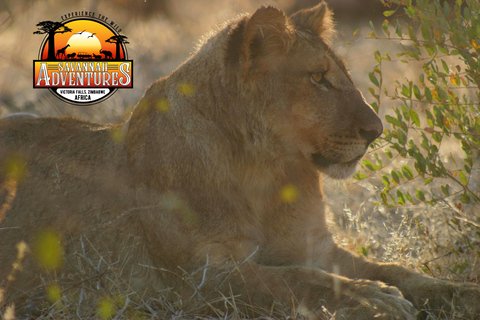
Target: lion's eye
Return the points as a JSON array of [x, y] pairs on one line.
[[319, 79]]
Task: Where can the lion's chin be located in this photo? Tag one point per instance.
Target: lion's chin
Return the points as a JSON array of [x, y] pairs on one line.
[[334, 169]]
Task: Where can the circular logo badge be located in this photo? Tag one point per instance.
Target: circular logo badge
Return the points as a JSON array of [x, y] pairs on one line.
[[82, 61]]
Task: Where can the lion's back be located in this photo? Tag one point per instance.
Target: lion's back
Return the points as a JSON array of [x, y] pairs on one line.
[[63, 143], [43, 135]]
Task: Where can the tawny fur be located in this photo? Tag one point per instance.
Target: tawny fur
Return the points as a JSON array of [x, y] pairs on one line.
[[220, 168]]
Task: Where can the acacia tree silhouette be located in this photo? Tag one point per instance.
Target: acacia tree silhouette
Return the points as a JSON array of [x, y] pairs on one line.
[[51, 28], [117, 40]]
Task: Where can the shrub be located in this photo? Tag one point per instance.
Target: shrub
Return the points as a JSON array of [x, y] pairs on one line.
[[428, 155]]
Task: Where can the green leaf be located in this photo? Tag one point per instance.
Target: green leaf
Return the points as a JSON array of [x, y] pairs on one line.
[[401, 197], [370, 166], [364, 251], [420, 195], [405, 113], [360, 176], [384, 197], [395, 121], [378, 58], [407, 172], [385, 180], [373, 79], [421, 77], [398, 30], [468, 168], [420, 164], [416, 92], [430, 119], [465, 198], [410, 11], [385, 28], [439, 37], [373, 34], [445, 67], [426, 32], [379, 161], [428, 181], [463, 178], [388, 13], [411, 33], [415, 118], [428, 95], [395, 176], [406, 91], [445, 189], [388, 153], [437, 137], [409, 198], [438, 113]]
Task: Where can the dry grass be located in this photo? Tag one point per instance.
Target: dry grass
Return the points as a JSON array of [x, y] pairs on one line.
[[100, 291], [422, 237]]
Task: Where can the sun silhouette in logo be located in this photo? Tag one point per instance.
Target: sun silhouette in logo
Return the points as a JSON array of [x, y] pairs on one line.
[[84, 41]]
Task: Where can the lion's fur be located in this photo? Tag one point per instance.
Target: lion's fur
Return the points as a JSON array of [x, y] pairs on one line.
[[220, 165]]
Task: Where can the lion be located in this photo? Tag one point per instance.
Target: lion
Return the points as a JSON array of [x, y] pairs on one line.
[[192, 187]]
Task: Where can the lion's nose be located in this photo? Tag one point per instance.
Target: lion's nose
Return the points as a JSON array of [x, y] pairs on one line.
[[365, 122], [369, 135], [370, 127]]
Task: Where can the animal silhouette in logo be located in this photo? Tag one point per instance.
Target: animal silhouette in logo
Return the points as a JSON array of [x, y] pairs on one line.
[[108, 54], [61, 52]]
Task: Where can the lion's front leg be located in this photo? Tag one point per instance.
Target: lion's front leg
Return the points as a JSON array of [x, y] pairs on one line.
[[311, 290], [426, 293]]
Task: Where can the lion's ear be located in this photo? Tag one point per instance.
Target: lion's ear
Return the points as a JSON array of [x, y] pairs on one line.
[[256, 44], [318, 19]]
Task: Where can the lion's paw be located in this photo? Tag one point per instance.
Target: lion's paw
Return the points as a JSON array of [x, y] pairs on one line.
[[374, 300]]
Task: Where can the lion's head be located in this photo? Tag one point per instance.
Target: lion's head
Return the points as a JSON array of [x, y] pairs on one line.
[[312, 104], [274, 89]]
